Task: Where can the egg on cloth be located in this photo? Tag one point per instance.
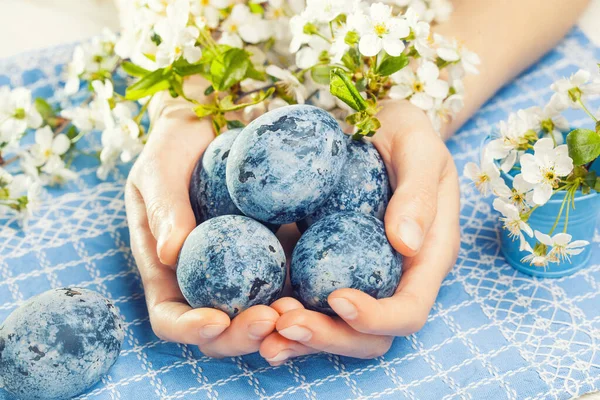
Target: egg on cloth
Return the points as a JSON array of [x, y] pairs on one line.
[[58, 344]]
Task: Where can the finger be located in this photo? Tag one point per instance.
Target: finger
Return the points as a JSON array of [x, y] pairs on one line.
[[162, 175], [244, 335], [276, 349], [286, 304], [172, 319], [413, 206], [406, 312], [332, 335]]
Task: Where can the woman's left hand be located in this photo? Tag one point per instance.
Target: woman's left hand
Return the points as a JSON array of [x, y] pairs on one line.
[[422, 223]]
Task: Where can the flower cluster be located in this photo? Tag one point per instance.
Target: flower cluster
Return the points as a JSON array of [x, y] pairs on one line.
[[341, 55], [530, 161]]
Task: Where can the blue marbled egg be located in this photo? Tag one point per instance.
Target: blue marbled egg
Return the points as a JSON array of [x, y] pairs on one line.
[[231, 263], [208, 189], [344, 250], [286, 163], [59, 344], [364, 186]]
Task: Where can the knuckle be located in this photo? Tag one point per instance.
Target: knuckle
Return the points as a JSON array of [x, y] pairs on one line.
[[379, 347], [209, 352], [425, 199], [156, 210], [416, 324]]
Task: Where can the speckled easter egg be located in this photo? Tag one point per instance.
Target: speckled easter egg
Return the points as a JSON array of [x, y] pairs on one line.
[[285, 164], [364, 186], [231, 263], [58, 344], [344, 250], [208, 189]]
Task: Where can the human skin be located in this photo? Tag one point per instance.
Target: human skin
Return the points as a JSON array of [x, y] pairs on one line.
[[422, 219]]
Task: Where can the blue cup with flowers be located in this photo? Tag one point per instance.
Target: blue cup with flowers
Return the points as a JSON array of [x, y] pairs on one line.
[[545, 182]]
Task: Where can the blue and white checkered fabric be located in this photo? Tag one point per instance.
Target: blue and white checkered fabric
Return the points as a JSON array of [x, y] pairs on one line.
[[493, 333]]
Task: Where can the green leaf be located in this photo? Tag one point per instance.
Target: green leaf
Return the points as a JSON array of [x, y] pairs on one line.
[[150, 84], [321, 74], [343, 88], [235, 124], [351, 59], [584, 146], [134, 70], [72, 132], [391, 65], [44, 108], [256, 8], [184, 68], [229, 69], [255, 74], [590, 179], [209, 90]]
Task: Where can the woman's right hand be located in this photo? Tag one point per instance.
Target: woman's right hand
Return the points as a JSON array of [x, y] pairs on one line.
[[160, 218]]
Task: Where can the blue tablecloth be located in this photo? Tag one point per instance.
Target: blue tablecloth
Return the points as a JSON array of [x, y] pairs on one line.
[[493, 333]]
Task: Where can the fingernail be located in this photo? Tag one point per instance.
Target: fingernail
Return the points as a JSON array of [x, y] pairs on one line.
[[343, 308], [211, 331], [297, 333], [281, 356], [258, 330], [411, 233]]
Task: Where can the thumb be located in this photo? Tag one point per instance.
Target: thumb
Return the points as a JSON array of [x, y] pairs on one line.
[[417, 165], [162, 176]]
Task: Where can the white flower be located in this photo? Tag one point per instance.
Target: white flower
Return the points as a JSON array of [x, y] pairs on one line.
[[422, 88], [309, 55], [381, 30], [74, 70], [570, 91], [422, 36], [208, 12], [562, 247], [85, 119], [243, 25], [17, 113], [121, 138], [520, 195], [325, 11], [514, 139], [47, 145], [56, 172], [178, 39], [89, 58], [444, 110], [536, 257], [545, 167], [512, 221], [299, 38], [485, 177], [550, 121], [461, 60], [104, 90], [291, 85], [5, 177]]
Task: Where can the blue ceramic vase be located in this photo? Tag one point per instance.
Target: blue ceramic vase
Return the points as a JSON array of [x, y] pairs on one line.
[[582, 224]]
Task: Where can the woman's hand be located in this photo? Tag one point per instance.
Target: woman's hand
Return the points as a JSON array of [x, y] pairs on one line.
[[422, 223], [160, 218]]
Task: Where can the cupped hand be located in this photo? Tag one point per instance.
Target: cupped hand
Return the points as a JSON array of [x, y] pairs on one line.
[[160, 218], [421, 222]]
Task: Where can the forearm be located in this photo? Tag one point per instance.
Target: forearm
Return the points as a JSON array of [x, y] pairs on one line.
[[508, 36]]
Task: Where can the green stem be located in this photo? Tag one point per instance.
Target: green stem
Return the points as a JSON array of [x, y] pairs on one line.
[[562, 206], [586, 110], [567, 218]]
